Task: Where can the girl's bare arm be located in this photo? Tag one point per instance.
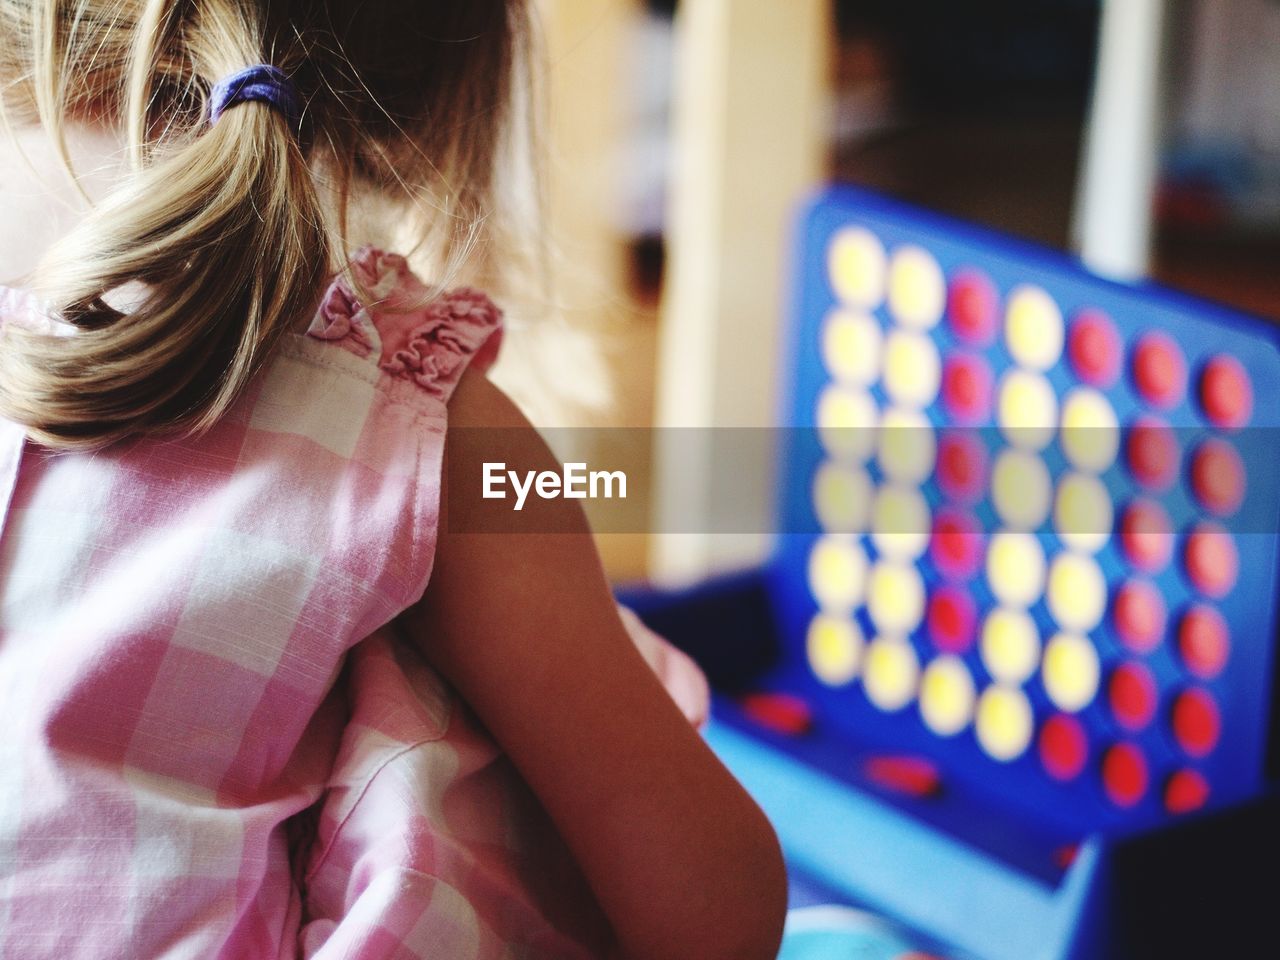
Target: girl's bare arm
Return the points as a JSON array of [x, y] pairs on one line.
[[681, 860]]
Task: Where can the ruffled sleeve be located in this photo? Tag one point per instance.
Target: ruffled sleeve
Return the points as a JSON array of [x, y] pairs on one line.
[[458, 327], [418, 333]]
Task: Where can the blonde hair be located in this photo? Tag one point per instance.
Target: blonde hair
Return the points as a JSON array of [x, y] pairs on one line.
[[226, 228]]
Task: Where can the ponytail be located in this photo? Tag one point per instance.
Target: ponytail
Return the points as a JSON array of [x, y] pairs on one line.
[[221, 236], [176, 287]]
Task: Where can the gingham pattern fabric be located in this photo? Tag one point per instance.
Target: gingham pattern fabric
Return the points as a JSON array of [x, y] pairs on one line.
[[173, 617], [428, 843]]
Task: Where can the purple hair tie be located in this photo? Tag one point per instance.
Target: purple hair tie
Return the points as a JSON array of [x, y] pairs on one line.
[[261, 82]]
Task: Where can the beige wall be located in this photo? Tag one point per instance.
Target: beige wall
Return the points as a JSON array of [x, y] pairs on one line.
[[749, 140], [750, 130]]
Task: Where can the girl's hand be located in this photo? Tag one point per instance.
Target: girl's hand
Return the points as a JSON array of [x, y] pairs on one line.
[[681, 677]]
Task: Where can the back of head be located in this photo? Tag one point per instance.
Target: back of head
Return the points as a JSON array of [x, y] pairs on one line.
[[228, 229]]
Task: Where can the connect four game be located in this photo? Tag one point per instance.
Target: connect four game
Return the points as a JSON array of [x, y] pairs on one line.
[[1045, 511], [1023, 607]]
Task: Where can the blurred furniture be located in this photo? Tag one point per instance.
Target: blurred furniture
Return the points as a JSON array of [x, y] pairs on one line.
[[749, 133]]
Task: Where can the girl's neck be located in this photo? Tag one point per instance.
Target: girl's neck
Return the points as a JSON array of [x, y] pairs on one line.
[[38, 200]]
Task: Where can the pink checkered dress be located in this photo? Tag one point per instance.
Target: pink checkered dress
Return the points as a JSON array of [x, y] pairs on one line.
[[187, 770]]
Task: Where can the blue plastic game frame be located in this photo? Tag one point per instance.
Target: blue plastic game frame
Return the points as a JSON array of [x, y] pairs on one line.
[[979, 866], [1202, 330]]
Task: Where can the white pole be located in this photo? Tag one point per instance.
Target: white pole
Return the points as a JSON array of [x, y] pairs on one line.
[[1117, 183]]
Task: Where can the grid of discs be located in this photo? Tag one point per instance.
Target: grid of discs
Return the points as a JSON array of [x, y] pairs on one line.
[[877, 531]]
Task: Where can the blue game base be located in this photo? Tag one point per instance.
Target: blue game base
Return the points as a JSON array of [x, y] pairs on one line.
[[1183, 890], [1108, 793], [830, 932]]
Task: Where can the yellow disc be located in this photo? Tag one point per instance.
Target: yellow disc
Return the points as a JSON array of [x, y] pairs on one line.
[[1077, 592], [1027, 410], [890, 673], [856, 264], [1082, 512], [1015, 568], [1010, 645], [1070, 671], [1033, 328], [895, 597], [946, 696], [847, 423], [1021, 489], [917, 291], [842, 497], [908, 445], [1090, 430], [900, 522], [837, 573], [912, 370], [834, 646], [1003, 722], [851, 344]]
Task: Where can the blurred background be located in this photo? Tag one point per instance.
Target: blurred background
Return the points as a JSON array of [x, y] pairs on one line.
[[684, 132]]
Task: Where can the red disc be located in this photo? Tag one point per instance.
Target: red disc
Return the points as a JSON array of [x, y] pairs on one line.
[[1211, 560], [1226, 393], [1124, 774], [1132, 694], [780, 712], [1185, 791], [1152, 453], [1065, 855], [966, 388], [1064, 747], [1204, 641], [951, 619], [962, 466], [1197, 725], [1139, 615], [971, 307], [1146, 536], [1217, 477], [956, 544], [1159, 371], [1093, 346], [913, 776]]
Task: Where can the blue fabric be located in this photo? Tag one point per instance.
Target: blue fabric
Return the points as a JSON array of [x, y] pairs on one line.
[[262, 83]]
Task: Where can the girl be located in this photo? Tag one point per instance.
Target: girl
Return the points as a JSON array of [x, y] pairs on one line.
[[221, 471]]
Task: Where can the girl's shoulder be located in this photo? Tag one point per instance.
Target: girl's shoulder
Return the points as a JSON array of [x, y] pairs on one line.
[[376, 319], [331, 456]]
